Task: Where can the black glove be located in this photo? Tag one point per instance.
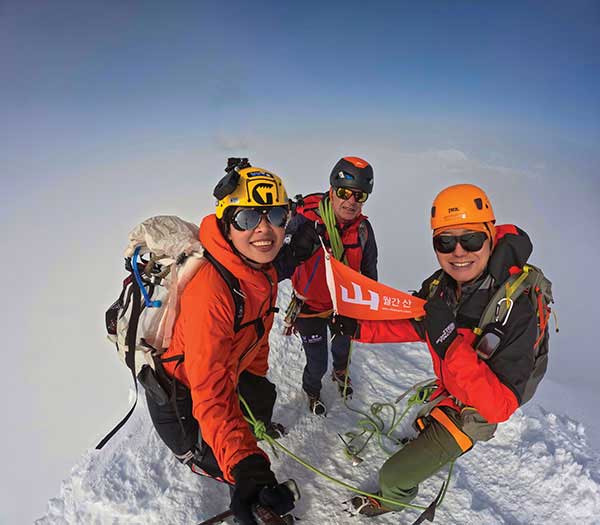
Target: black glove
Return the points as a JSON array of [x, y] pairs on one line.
[[256, 484], [342, 325], [279, 498], [305, 242], [440, 325]]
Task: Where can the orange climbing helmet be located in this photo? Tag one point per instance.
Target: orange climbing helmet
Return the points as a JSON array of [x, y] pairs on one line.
[[461, 204]]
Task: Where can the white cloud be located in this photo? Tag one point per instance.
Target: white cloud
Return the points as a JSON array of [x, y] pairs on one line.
[[450, 155]]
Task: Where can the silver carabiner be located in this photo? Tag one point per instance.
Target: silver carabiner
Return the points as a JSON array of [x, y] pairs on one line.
[[508, 309]]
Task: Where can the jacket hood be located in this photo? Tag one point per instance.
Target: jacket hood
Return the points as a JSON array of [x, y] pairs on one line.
[[512, 249], [213, 241]]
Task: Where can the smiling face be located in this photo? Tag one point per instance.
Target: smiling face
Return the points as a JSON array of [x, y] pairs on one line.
[[261, 244], [461, 265], [345, 210]]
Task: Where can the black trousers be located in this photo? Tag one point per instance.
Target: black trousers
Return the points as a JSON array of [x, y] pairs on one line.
[[178, 429]]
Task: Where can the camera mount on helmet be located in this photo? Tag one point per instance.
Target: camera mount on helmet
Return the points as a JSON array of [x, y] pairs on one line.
[[228, 184]]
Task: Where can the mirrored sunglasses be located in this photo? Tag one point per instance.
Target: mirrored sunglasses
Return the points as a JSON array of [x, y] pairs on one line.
[[346, 193], [249, 218], [471, 242]]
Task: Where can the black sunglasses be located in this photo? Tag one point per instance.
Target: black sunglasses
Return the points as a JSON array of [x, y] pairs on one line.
[[346, 193], [249, 218], [471, 242]]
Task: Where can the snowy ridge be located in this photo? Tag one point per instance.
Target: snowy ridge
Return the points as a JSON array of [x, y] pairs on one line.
[[538, 469]]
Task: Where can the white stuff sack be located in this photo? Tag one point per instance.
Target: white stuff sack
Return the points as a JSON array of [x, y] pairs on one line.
[[167, 239]]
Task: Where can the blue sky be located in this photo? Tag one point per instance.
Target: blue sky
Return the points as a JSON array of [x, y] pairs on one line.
[[114, 111], [84, 76]]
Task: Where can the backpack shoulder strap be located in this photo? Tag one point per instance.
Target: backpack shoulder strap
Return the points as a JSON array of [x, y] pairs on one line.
[[308, 206], [238, 298], [234, 287], [363, 233], [130, 354], [434, 282], [310, 201], [500, 305]]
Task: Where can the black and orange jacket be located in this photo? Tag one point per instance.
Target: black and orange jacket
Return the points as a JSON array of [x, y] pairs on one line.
[[308, 279], [215, 355], [493, 387]]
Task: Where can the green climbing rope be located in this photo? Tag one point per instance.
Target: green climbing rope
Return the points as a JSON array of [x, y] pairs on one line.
[[373, 424], [259, 430], [335, 240]]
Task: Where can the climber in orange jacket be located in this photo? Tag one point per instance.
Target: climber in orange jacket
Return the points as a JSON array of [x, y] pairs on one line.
[[220, 343]]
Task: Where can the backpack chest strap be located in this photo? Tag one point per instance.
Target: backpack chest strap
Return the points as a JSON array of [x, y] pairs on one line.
[[258, 323]]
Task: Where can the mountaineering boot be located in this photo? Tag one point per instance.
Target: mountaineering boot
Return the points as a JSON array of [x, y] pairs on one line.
[[368, 506], [316, 406], [339, 377]]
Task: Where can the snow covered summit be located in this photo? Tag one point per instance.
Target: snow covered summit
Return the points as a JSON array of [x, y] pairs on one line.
[[538, 469]]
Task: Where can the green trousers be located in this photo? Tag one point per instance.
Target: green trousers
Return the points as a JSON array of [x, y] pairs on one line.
[[419, 459]]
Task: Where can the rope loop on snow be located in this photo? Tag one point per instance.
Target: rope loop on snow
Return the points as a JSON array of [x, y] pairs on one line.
[[372, 424], [260, 426]]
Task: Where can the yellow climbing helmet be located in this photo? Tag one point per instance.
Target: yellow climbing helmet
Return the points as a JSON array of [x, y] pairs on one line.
[[246, 185]]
